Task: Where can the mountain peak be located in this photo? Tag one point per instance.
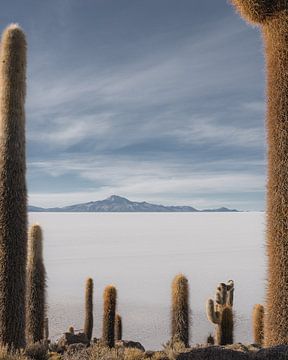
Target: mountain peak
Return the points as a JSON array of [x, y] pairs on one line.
[[116, 198]]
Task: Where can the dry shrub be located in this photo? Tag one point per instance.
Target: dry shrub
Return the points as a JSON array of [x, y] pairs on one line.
[[37, 351], [6, 354]]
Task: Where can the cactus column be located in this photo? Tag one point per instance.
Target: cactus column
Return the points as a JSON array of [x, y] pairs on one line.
[[109, 312], [36, 284], [88, 324], [180, 310], [13, 211], [272, 16]]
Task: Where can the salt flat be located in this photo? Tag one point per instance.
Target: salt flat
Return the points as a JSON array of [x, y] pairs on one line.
[[140, 253]]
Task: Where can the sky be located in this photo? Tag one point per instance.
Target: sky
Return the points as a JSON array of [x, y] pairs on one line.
[[157, 100]]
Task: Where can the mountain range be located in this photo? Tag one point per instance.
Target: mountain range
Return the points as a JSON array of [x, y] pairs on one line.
[[116, 203]]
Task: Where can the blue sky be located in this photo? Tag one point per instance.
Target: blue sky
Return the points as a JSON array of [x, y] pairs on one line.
[[155, 100]]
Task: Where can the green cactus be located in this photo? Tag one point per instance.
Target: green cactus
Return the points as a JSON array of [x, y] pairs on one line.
[[36, 285], [220, 313], [118, 328], [180, 310], [88, 325], [272, 18], [13, 203], [109, 312], [258, 324]]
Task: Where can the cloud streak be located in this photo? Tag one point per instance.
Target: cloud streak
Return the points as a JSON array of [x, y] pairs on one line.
[[168, 110]]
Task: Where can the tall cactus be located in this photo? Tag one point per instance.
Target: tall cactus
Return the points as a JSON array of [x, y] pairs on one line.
[[36, 285], [220, 313], [109, 311], [13, 203], [272, 17], [88, 325], [118, 328], [180, 309], [258, 324]]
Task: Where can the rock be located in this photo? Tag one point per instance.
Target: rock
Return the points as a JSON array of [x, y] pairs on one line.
[[149, 353], [279, 352], [213, 353], [75, 347], [69, 339], [129, 344]]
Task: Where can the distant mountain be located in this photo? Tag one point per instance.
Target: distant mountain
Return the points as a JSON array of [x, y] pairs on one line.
[[120, 204]]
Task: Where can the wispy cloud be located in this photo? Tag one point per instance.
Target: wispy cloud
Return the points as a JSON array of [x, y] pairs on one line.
[[170, 115]]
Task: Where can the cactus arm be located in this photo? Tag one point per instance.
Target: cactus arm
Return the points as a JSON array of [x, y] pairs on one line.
[[221, 294], [230, 293], [212, 315]]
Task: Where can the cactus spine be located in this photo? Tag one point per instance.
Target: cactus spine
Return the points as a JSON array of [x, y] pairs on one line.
[[272, 17], [220, 313], [13, 207], [258, 324], [118, 328], [180, 309], [110, 298], [36, 284], [88, 325]]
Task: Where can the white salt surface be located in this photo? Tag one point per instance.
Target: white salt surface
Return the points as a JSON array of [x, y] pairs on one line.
[[140, 254]]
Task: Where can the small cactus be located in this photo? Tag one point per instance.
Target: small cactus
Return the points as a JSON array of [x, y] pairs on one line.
[[88, 325], [220, 312], [210, 340], [110, 298], [13, 196], [118, 328], [180, 309], [36, 285], [258, 324]]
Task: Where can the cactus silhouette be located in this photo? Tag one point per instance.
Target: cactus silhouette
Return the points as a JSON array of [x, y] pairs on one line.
[[13, 203], [36, 284], [109, 312], [118, 327], [88, 325], [220, 312], [258, 324], [180, 309], [272, 17]]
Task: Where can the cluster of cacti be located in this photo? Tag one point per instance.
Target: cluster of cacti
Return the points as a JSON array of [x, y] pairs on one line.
[[13, 203], [22, 294], [220, 312], [272, 17], [109, 313], [180, 310]]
